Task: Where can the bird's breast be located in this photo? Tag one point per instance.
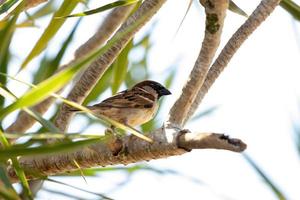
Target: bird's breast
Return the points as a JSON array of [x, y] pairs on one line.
[[141, 116]]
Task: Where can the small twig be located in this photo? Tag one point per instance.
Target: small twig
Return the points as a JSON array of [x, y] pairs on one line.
[[215, 13], [211, 141], [263, 10], [105, 30], [126, 150], [94, 72], [33, 3]]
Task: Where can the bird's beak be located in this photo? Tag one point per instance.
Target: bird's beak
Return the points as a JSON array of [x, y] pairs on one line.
[[164, 91]]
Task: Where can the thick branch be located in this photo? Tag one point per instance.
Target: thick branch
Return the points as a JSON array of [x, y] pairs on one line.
[[215, 13], [126, 150], [105, 30], [94, 72], [264, 9]]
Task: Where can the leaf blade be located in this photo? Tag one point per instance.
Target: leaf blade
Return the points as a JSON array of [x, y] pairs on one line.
[[103, 8], [53, 27]]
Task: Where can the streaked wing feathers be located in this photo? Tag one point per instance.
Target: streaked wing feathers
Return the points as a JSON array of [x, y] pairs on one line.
[[134, 98]]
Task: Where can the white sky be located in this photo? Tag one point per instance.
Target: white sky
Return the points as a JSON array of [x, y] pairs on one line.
[[257, 97]]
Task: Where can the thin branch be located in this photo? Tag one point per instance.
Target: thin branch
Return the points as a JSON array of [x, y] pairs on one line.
[[94, 72], [33, 3], [215, 13], [105, 30], [263, 10], [126, 150]]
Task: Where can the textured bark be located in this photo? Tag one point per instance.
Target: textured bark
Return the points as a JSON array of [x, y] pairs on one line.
[[94, 72], [105, 30], [215, 13], [263, 10], [126, 150]]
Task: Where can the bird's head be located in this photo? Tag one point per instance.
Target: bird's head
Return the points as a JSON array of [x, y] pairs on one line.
[[153, 87]]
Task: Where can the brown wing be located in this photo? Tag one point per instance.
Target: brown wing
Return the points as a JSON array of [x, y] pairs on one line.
[[134, 98]]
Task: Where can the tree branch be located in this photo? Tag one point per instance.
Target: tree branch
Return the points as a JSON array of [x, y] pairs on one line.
[[126, 150], [215, 14], [263, 10], [94, 72], [32, 3], [105, 30]]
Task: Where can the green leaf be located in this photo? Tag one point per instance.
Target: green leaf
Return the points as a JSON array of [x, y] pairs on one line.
[[7, 5], [291, 7], [56, 82], [4, 178], [267, 180], [234, 8], [46, 9], [8, 194], [76, 105], [100, 87], [22, 177], [103, 8], [134, 75], [47, 149], [45, 123], [6, 34], [169, 80], [49, 66], [77, 188], [43, 90], [53, 27], [51, 135], [120, 68], [16, 165], [204, 113], [184, 17]]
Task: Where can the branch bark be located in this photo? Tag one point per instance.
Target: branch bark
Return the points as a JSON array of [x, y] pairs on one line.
[[263, 10], [215, 11], [126, 150], [110, 24], [32, 3], [94, 72]]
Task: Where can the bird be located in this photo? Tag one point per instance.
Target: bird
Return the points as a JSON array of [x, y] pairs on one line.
[[134, 106]]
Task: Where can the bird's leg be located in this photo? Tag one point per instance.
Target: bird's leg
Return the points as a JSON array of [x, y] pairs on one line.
[[111, 131], [114, 143]]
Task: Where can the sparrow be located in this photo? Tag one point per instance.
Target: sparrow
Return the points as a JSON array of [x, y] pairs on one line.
[[134, 106]]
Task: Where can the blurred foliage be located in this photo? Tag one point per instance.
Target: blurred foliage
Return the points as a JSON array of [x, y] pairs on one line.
[[104, 8], [53, 27], [7, 5], [49, 65], [296, 131], [205, 113], [80, 189], [128, 170], [296, 138], [269, 183], [234, 8], [6, 33]]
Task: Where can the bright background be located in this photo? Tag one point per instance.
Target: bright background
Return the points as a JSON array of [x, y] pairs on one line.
[[257, 99]]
